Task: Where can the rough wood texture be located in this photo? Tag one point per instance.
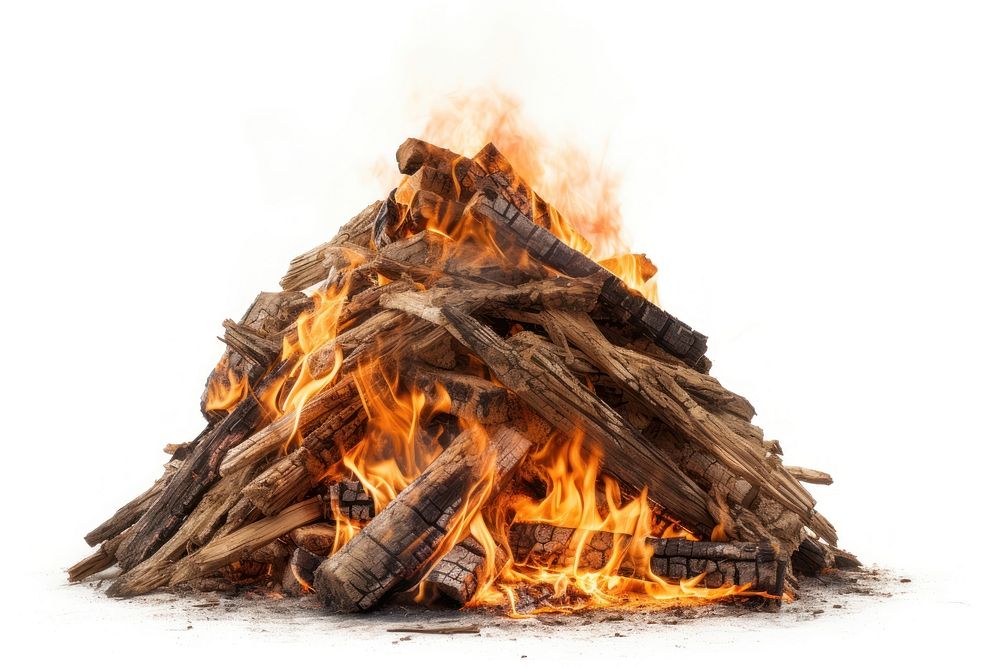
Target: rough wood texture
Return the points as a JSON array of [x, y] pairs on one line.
[[721, 563], [655, 383], [541, 381], [544, 545], [352, 500], [298, 576], [198, 471], [470, 398], [398, 543], [243, 542], [129, 513], [313, 266], [520, 233], [316, 537], [462, 571], [268, 316], [212, 510], [809, 476]]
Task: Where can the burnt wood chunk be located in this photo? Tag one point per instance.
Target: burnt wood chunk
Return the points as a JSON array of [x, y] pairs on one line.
[[396, 546], [463, 571], [353, 501], [469, 397], [544, 545], [750, 564]]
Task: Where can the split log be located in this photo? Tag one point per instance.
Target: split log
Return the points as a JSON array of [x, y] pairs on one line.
[[243, 542], [654, 383], [540, 379], [313, 266], [198, 471], [395, 547], [463, 571], [809, 476], [337, 399], [285, 482], [520, 234], [199, 527]]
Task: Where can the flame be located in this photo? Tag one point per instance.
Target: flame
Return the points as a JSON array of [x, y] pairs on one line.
[[583, 191], [223, 396], [579, 498]]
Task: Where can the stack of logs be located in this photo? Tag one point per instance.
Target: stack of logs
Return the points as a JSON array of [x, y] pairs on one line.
[[460, 281]]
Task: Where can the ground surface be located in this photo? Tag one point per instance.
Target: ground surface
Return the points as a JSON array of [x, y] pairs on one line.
[[873, 612]]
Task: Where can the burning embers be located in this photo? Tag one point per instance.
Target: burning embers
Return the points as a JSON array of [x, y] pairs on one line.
[[469, 409]]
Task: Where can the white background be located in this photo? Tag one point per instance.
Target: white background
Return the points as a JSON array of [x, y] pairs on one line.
[[816, 181]]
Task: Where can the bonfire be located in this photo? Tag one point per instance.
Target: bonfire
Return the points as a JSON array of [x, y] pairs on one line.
[[456, 401]]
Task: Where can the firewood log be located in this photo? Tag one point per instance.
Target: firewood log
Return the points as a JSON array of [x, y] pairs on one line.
[[521, 234], [268, 315], [204, 521], [396, 546], [462, 571], [544, 545], [809, 476], [541, 380], [244, 541], [313, 266]]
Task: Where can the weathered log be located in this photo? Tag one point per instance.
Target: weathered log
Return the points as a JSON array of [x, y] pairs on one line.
[[243, 542], [129, 513], [268, 316], [520, 234], [97, 562], [544, 545], [285, 482], [197, 529], [313, 266], [463, 571], [654, 383], [395, 547], [540, 379], [327, 404], [469, 397], [722, 563], [198, 471], [809, 476]]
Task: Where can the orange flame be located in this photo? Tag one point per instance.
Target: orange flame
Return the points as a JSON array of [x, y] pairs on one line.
[[586, 196], [223, 396]]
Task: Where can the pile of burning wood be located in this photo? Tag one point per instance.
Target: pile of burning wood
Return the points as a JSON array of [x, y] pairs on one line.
[[469, 409]]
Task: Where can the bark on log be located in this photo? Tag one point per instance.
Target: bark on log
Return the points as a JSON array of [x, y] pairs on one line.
[[471, 398], [268, 316], [198, 471], [722, 563], [544, 545], [129, 513], [463, 571], [197, 529], [519, 233], [656, 385], [395, 547], [541, 380]]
